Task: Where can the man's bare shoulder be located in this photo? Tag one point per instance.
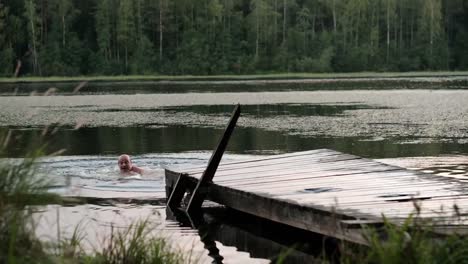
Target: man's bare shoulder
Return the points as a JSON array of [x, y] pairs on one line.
[[137, 170]]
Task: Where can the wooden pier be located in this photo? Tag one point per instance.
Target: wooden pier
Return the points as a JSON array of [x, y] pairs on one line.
[[331, 193]]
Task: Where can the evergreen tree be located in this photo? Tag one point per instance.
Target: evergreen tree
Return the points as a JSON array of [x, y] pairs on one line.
[[126, 30], [69, 37], [33, 37], [103, 29], [6, 51]]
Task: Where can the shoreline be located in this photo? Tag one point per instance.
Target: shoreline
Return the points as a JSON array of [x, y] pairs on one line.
[[255, 77]]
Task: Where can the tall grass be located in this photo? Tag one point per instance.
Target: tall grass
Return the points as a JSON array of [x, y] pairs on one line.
[[19, 188], [137, 244], [411, 242], [21, 191]]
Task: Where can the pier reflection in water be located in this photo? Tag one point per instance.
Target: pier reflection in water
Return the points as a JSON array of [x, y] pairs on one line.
[[224, 236]]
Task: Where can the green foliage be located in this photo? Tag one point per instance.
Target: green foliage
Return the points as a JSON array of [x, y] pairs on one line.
[[21, 190], [136, 245], [144, 60], [6, 61], [32, 23], [103, 28], [6, 52], [411, 242], [115, 37], [18, 188]]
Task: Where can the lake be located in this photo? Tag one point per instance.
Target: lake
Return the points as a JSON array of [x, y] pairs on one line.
[[169, 124]]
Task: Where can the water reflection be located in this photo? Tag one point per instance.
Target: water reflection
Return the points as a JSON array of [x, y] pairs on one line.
[[226, 236], [267, 239], [212, 86], [139, 140], [262, 238]]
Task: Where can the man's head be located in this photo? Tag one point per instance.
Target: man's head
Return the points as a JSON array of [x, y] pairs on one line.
[[125, 164]]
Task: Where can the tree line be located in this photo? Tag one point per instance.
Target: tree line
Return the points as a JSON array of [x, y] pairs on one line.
[[110, 37]]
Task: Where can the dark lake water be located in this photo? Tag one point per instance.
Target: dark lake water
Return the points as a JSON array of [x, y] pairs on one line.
[[160, 126]]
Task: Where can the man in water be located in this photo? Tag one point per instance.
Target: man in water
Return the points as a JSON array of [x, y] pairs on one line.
[[126, 166]]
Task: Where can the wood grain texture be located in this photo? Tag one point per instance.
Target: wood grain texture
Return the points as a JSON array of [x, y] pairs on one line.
[[332, 193]]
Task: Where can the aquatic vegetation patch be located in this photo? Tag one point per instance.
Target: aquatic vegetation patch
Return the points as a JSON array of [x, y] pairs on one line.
[[272, 110]]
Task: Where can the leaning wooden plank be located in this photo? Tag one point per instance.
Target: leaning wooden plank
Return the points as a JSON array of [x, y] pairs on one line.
[[199, 193]]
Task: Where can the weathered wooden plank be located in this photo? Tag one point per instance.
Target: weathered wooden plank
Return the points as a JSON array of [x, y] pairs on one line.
[[342, 182], [321, 158], [363, 193], [199, 194], [313, 219], [324, 193], [310, 170], [388, 181], [333, 193], [240, 172], [359, 223], [178, 191], [337, 204], [275, 177], [352, 181], [171, 178], [402, 213], [274, 159], [306, 167], [353, 196], [430, 204], [395, 209], [287, 164]]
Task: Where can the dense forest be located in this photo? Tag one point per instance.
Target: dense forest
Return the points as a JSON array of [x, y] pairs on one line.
[[110, 37]]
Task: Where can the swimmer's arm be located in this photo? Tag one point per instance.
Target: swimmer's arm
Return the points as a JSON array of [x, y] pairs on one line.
[[137, 170]]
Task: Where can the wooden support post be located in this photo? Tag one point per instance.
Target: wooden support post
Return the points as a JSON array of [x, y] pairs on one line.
[[200, 190], [177, 193]]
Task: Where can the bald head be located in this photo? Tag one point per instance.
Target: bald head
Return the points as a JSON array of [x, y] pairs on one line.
[[125, 164]]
